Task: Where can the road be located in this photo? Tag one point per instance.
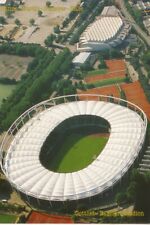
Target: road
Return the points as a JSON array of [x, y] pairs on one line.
[[136, 27]]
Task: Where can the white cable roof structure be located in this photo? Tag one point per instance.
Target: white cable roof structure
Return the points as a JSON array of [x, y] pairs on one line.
[[108, 30], [2, 2], [103, 29], [24, 170]]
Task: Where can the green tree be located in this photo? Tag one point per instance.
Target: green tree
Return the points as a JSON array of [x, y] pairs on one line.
[[58, 38], [40, 13], [121, 198], [2, 20], [57, 29], [114, 53], [138, 192], [102, 64], [17, 22], [8, 13], [48, 3], [32, 22], [49, 41], [5, 187], [146, 58]]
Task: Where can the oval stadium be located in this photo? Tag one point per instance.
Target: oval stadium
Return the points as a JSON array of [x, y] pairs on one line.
[[45, 124]]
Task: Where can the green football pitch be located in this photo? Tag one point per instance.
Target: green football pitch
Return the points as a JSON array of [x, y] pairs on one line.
[[5, 218], [77, 152]]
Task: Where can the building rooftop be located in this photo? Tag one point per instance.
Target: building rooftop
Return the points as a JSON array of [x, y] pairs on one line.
[[110, 11], [103, 29], [3, 2], [81, 58]]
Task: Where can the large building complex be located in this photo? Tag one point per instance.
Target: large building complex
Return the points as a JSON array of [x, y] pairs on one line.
[[22, 165], [108, 30]]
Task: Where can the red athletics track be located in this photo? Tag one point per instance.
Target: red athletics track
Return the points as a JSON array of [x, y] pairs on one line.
[[37, 217]]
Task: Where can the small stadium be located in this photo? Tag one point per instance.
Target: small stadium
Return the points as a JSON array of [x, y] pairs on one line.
[[72, 148]]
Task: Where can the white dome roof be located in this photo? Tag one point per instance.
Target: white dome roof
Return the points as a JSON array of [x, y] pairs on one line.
[[103, 29]]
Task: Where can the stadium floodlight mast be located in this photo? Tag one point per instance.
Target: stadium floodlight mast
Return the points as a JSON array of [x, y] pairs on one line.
[[22, 144]]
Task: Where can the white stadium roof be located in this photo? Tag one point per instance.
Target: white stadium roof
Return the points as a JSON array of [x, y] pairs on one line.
[[103, 29], [24, 170], [108, 30], [2, 2]]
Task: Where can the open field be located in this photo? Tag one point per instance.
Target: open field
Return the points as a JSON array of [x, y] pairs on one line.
[[77, 152], [37, 217], [97, 72], [134, 93], [116, 69], [13, 67], [52, 16], [5, 91], [110, 90], [110, 81], [7, 30], [5, 218], [115, 64], [107, 76]]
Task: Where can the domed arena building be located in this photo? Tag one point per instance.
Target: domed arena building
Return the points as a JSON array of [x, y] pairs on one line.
[[108, 30]]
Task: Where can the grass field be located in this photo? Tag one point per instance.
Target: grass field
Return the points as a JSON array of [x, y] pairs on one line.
[[5, 91], [97, 72], [5, 218], [107, 82], [77, 152]]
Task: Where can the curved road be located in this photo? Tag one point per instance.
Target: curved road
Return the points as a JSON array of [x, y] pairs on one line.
[[130, 18]]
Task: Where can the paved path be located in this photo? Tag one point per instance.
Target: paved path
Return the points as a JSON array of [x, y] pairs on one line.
[[136, 27], [133, 74]]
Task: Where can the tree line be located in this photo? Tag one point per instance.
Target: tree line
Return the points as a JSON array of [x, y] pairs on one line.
[[37, 83], [136, 14], [139, 194]]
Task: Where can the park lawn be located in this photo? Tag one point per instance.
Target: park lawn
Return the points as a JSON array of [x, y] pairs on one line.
[[77, 152], [5, 91], [97, 72], [107, 82], [5, 218]]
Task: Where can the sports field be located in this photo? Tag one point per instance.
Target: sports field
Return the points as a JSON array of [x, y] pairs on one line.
[[106, 82], [77, 152], [5, 218], [96, 72], [40, 217], [5, 90], [116, 69], [133, 91]]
